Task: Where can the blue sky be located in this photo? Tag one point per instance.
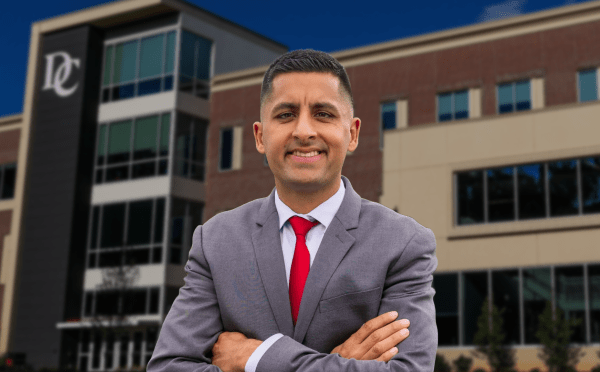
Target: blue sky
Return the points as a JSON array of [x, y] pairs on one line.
[[324, 25]]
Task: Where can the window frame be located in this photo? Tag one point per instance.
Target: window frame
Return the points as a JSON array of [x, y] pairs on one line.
[[151, 246], [515, 180], [521, 303], [113, 42], [453, 108], [577, 87], [221, 130], [130, 163], [514, 96]]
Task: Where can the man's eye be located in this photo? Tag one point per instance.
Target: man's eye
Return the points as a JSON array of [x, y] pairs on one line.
[[327, 115], [283, 116]]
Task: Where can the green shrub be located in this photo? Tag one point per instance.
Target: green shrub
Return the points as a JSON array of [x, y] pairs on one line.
[[441, 364], [462, 364]]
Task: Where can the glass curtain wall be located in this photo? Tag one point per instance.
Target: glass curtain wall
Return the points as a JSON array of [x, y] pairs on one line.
[[138, 67], [190, 147], [549, 189], [185, 216], [195, 64]]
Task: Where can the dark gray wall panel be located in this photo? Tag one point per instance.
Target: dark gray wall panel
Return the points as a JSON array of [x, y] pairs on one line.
[[57, 195]]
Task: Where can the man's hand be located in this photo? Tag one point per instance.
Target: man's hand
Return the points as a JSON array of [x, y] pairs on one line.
[[232, 351], [375, 340]]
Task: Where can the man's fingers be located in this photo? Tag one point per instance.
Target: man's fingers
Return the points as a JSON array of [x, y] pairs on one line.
[[373, 325], [387, 356]]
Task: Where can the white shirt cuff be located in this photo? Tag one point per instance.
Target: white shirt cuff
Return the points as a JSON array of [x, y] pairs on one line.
[[258, 353]]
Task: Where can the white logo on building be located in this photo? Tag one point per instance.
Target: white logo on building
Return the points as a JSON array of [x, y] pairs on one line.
[[55, 79]]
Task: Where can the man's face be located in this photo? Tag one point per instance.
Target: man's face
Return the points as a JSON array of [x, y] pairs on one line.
[[307, 128]]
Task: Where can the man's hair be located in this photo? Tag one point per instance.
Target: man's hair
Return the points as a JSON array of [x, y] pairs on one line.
[[305, 60]]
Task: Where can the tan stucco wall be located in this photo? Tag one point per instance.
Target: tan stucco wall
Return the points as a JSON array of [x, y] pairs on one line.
[[418, 163], [526, 358]]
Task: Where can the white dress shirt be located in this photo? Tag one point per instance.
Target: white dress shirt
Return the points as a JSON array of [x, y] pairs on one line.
[[324, 213]]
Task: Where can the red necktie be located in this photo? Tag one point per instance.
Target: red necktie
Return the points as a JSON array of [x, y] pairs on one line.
[[300, 263]]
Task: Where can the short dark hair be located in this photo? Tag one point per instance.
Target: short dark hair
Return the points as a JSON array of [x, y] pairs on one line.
[[304, 60]]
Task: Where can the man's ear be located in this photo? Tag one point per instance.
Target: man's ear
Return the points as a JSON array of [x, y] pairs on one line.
[[354, 131], [257, 129]]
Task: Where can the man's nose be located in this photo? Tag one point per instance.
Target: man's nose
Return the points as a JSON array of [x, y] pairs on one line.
[[304, 127]]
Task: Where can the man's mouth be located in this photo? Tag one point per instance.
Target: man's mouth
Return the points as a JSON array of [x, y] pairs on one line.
[[306, 157], [306, 154]]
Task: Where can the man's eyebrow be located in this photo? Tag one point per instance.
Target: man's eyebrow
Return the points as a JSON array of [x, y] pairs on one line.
[[285, 105], [323, 105]]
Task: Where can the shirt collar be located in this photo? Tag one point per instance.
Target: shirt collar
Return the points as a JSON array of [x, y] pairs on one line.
[[323, 213]]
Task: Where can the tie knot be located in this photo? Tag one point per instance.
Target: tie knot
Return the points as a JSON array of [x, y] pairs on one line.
[[301, 225]]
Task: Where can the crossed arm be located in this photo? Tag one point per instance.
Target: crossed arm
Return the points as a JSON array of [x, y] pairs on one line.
[[186, 345]]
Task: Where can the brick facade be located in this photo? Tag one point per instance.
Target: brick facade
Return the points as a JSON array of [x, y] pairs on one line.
[[555, 55]]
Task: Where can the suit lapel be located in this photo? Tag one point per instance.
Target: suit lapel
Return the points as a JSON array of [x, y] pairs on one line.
[[269, 255], [334, 246]]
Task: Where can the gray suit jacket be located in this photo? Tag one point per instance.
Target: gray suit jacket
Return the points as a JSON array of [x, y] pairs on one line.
[[371, 260]]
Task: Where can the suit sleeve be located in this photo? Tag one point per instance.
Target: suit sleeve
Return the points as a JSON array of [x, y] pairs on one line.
[[407, 290], [193, 324]]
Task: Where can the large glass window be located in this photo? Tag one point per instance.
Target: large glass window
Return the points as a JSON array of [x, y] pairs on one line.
[[522, 295], [549, 189], [570, 298], [134, 148], [515, 96], [446, 308], [501, 190], [8, 175], [594, 296], [194, 65], [562, 178], [537, 290], [505, 289], [470, 197], [590, 184], [185, 217], [532, 191], [588, 85], [453, 105], [190, 147], [120, 233], [138, 67], [475, 291]]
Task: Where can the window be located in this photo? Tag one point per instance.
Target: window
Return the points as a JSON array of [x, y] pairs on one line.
[[129, 233], [190, 147], [453, 105], [128, 301], [195, 62], [225, 158], [515, 96], [138, 67], [446, 308], [475, 290], [521, 294], [551, 189], [537, 290], [185, 216], [230, 149], [119, 158], [8, 174], [388, 115], [588, 85]]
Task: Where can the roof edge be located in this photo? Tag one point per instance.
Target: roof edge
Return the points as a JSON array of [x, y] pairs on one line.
[[348, 56], [11, 119]]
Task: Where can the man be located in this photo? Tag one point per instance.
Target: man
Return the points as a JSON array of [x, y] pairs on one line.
[[344, 259]]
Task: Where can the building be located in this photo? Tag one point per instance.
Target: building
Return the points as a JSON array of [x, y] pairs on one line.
[[110, 157], [488, 135]]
